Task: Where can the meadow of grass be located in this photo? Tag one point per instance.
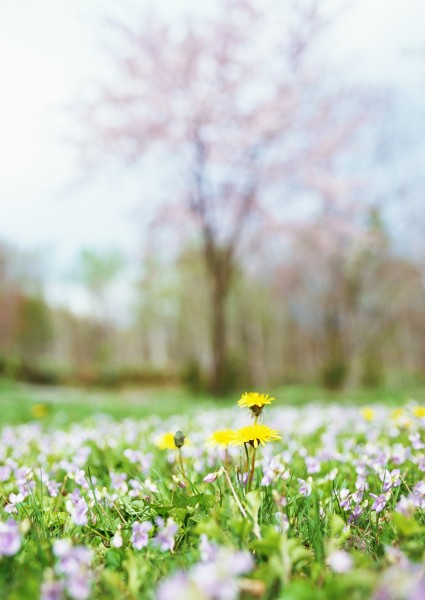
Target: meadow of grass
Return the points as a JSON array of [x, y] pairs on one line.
[[20, 403], [116, 505]]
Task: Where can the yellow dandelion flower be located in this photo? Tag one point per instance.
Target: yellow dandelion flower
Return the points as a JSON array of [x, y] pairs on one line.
[[166, 441], [255, 401], [368, 414], [222, 437], [171, 441], [255, 434], [38, 411], [397, 413], [419, 411]]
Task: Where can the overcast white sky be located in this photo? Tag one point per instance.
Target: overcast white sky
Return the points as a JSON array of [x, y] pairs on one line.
[[51, 49]]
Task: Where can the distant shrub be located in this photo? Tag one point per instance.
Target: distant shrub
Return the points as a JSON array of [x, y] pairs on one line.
[[10, 366], [372, 371], [122, 376], [196, 381], [193, 378], [334, 375], [39, 374]]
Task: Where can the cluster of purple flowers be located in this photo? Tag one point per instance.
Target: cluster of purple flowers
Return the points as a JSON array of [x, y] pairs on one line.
[[407, 505], [274, 468], [78, 508], [10, 538], [164, 539], [71, 574], [364, 468], [215, 577]]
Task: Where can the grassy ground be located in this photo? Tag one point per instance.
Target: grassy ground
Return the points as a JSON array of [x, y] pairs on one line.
[[332, 509], [21, 403]]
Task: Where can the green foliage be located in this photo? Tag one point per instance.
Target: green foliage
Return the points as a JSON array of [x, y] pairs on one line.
[[35, 328], [192, 377], [372, 370], [334, 374], [291, 554], [97, 270]]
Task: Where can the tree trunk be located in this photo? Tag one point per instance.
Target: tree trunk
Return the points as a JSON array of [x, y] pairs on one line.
[[219, 294]]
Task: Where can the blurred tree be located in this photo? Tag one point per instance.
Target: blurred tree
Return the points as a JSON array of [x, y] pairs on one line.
[[7, 301], [98, 271], [234, 107], [34, 328], [26, 328]]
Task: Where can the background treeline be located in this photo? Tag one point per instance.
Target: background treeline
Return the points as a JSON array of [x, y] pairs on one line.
[[281, 233], [315, 304]]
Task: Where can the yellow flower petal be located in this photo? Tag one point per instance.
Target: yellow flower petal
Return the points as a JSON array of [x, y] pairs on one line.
[[255, 435], [222, 437], [166, 441], [251, 399], [419, 411], [368, 414]]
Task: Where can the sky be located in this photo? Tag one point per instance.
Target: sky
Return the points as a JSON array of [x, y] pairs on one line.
[[51, 51]]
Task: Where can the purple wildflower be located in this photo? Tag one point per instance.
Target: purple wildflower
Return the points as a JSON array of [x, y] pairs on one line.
[[208, 549], [79, 586], [273, 469], [14, 499], [305, 486], [405, 506], [419, 489], [74, 564], [10, 538], [380, 502], [119, 482], [53, 488], [390, 479], [355, 514], [140, 535], [52, 590], [312, 464], [5, 472], [165, 536], [218, 579], [344, 498], [340, 561], [71, 558], [416, 441], [211, 477], [136, 488], [78, 511], [176, 587]]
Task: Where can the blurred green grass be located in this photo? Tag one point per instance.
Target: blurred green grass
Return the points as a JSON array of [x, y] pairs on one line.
[[20, 403]]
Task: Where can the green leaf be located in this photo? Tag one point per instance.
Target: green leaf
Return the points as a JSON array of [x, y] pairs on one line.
[[270, 542], [210, 528], [406, 526], [113, 558], [337, 525]]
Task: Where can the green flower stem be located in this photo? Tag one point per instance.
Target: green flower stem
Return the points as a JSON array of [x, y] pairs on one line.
[[181, 463], [251, 472], [247, 456], [254, 452], [232, 489]]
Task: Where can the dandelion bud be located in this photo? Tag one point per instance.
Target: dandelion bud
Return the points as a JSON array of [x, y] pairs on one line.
[[179, 438]]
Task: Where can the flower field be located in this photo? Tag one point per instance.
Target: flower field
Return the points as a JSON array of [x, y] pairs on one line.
[[255, 501]]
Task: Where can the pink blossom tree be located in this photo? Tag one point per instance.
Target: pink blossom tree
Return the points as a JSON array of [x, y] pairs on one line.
[[239, 111]]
